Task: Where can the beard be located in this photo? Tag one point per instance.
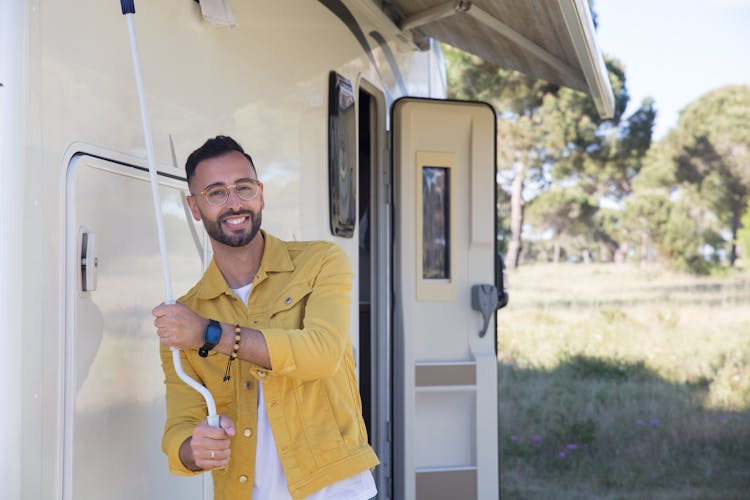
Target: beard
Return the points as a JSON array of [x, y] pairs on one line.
[[216, 231]]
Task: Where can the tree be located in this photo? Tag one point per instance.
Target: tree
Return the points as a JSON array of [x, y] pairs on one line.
[[562, 210], [647, 209], [711, 151]]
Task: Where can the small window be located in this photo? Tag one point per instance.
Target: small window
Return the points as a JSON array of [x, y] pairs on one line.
[[342, 153], [435, 225]]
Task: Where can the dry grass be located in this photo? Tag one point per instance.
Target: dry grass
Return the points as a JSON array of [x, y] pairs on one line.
[[624, 382]]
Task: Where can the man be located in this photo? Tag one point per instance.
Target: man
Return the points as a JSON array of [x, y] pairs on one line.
[[291, 418]]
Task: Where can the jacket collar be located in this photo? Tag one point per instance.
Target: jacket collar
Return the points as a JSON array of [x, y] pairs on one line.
[[275, 259]]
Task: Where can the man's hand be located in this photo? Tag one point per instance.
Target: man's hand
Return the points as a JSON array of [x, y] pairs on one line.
[[208, 447], [178, 326]]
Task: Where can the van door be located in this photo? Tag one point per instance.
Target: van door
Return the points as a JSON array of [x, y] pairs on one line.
[[445, 366], [114, 385]]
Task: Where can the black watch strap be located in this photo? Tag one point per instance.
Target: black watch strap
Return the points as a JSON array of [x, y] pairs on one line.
[[211, 337]]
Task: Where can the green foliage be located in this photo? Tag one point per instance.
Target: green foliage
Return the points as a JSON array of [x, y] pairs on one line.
[[560, 209], [612, 315], [711, 152], [695, 183], [643, 373], [610, 369], [730, 388], [682, 238]]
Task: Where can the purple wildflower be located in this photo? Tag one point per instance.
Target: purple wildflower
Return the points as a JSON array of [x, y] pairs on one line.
[[536, 439], [571, 446], [654, 422], [514, 437], [640, 421], [562, 454]]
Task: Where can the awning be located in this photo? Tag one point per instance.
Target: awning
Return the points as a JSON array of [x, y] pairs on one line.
[[551, 40]]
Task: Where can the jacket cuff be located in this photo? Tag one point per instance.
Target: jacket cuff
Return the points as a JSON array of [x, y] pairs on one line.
[[279, 350], [171, 445]]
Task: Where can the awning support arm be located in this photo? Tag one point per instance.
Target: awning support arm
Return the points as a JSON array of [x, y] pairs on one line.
[[436, 13]]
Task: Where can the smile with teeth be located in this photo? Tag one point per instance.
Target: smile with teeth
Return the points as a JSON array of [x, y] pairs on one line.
[[235, 221]]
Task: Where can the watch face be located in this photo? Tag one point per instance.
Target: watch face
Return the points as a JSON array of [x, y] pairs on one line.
[[210, 337], [212, 333]]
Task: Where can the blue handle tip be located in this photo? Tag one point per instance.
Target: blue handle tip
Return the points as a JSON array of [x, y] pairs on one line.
[[128, 6]]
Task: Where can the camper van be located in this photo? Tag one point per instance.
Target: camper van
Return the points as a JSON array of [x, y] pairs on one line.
[[342, 105]]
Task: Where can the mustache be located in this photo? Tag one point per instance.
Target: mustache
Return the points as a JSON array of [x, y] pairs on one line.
[[233, 213]]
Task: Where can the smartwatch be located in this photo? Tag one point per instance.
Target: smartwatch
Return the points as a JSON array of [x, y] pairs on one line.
[[211, 337]]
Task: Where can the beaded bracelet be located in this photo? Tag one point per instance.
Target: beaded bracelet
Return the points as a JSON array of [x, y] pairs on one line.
[[235, 351]]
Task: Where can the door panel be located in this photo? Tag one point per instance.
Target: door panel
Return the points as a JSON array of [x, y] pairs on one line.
[[114, 385], [445, 373]]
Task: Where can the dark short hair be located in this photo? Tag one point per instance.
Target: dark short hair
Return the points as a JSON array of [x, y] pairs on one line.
[[213, 148]]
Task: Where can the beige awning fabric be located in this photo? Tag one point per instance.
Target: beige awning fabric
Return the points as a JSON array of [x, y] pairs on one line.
[[551, 40]]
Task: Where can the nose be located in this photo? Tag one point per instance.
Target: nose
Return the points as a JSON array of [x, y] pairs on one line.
[[233, 200]]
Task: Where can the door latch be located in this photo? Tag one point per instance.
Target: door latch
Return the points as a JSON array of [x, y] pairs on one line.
[[89, 262], [484, 300]]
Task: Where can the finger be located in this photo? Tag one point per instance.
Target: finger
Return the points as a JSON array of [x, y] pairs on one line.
[[208, 459], [226, 424], [159, 310], [205, 434], [217, 455]]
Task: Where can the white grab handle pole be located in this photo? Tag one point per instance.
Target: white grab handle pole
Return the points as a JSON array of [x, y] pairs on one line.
[[128, 10]]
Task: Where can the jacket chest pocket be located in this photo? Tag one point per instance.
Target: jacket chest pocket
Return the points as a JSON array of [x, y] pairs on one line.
[[287, 310]]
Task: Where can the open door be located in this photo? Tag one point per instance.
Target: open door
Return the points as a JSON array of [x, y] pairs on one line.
[[445, 365]]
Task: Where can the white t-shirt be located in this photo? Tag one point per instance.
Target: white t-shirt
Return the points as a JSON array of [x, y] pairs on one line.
[[270, 479]]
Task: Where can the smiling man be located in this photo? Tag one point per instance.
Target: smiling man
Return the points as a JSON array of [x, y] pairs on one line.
[[266, 329]]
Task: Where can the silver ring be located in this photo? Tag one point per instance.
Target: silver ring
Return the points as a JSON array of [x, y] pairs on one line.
[[213, 455]]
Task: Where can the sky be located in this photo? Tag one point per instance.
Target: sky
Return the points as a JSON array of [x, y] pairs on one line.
[[675, 50]]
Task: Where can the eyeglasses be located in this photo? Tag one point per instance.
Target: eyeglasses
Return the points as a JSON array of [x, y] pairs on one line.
[[245, 190]]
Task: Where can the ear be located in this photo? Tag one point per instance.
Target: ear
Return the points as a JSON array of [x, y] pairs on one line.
[[193, 204], [262, 199]]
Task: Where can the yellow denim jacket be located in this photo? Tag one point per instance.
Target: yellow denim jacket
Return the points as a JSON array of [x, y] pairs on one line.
[[300, 302]]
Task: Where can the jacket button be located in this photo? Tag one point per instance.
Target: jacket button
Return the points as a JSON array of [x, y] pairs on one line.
[[243, 479], [248, 384], [288, 300], [247, 432]]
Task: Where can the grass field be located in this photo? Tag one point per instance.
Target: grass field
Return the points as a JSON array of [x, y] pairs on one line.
[[624, 382]]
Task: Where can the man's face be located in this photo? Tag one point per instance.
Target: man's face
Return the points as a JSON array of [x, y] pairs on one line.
[[235, 222]]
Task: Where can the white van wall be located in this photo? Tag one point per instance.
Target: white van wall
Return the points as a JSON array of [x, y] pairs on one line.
[[68, 88]]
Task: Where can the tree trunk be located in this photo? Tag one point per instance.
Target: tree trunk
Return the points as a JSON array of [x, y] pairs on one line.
[[516, 219], [644, 247], [737, 213], [556, 246], [621, 254], [586, 256]]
